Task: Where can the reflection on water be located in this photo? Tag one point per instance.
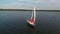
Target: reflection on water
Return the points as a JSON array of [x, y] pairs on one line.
[[31, 30]]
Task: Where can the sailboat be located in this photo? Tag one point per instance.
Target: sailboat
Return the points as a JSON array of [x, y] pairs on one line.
[[32, 19]]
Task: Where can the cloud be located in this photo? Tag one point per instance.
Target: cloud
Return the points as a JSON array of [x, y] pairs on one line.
[[39, 0], [30, 1], [52, 1], [28, 4]]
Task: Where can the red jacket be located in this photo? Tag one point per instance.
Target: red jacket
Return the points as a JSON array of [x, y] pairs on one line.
[[31, 20]]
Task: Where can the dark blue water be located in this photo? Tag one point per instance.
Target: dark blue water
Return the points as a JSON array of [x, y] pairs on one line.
[[14, 22]]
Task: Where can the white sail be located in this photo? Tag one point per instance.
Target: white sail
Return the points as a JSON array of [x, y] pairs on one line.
[[34, 13]]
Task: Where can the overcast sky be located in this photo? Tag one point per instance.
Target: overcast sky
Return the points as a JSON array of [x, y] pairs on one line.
[[28, 4]]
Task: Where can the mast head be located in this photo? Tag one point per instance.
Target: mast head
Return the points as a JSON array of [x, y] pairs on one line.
[[34, 7]]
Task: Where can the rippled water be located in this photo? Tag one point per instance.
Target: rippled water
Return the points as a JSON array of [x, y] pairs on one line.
[[14, 22]]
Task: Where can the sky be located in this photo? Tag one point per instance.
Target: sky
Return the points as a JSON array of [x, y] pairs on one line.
[[28, 4]]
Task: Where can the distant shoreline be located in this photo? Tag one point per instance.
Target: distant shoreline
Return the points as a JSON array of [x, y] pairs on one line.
[[24, 10]]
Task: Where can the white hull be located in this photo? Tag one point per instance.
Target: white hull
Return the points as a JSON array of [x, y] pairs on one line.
[[31, 23]]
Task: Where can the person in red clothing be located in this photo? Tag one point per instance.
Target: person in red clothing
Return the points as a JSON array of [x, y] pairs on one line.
[[31, 20]]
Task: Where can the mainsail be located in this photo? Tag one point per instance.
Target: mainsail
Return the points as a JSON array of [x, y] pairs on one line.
[[34, 14]]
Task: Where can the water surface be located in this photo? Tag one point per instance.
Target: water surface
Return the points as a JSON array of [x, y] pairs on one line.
[[14, 22]]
